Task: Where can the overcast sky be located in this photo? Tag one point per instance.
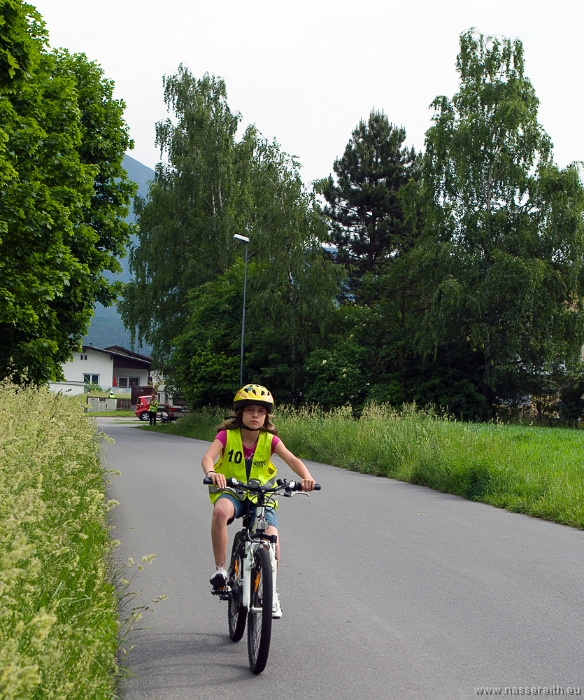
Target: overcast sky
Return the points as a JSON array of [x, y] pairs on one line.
[[305, 73]]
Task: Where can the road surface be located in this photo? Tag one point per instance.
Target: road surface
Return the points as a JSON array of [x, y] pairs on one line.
[[389, 590]]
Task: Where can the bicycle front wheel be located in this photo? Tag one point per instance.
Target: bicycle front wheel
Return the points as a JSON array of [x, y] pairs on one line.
[[259, 618], [236, 612]]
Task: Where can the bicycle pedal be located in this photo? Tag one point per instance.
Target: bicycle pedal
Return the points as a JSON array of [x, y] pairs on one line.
[[223, 591]]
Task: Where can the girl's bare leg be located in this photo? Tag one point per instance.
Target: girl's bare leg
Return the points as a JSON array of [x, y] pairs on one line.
[[223, 511]]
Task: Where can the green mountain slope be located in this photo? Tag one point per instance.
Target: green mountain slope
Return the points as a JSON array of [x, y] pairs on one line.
[[106, 326]]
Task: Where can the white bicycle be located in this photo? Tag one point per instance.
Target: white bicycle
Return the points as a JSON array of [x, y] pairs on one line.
[[252, 570]]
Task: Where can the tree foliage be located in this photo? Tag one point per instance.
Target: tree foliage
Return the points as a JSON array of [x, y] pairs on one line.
[[466, 290], [212, 188], [339, 375], [19, 28], [195, 204], [292, 292], [500, 263], [64, 195], [363, 207], [373, 225], [205, 361]]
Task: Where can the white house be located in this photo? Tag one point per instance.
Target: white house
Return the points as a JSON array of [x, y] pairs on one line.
[[110, 368]]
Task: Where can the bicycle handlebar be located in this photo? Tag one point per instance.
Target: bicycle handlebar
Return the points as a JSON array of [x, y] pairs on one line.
[[294, 485], [282, 485]]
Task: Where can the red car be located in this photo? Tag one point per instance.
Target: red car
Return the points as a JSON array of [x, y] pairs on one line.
[[165, 411]]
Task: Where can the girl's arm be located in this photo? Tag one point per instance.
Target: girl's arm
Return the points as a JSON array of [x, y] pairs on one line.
[[297, 466], [208, 463]]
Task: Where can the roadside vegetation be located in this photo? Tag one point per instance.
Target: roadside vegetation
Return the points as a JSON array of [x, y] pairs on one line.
[[58, 602], [522, 468]]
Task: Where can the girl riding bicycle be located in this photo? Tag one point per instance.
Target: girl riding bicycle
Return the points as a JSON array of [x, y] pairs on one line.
[[244, 445]]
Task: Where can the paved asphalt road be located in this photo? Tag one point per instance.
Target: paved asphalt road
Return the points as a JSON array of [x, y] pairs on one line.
[[388, 590]]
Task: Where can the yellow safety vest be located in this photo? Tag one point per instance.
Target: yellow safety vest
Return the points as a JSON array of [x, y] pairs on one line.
[[231, 463]]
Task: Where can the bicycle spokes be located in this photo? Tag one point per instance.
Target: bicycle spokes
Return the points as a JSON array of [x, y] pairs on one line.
[[259, 623]]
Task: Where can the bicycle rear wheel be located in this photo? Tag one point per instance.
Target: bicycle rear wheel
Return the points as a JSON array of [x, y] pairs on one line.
[[236, 613], [259, 622]]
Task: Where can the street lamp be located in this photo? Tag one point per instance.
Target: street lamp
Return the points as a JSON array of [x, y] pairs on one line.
[[245, 239]]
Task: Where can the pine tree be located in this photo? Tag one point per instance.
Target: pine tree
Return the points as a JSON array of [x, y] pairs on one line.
[[367, 228]]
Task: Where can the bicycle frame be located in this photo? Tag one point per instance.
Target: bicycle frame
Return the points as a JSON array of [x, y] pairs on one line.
[[252, 543]]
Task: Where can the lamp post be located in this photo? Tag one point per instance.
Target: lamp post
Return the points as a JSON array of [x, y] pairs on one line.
[[245, 239]]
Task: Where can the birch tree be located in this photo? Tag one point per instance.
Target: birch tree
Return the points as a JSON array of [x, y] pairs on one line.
[[500, 264]]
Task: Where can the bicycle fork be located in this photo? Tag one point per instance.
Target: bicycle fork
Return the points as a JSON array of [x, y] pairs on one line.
[[247, 570], [248, 564], [274, 565]]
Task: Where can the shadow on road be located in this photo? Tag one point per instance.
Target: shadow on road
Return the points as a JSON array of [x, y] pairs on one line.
[[162, 664]]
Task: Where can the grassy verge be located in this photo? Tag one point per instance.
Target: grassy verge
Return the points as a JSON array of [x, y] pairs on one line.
[[525, 469], [58, 621]]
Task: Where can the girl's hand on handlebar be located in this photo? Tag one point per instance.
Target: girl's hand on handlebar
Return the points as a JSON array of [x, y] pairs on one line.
[[308, 484], [218, 480]]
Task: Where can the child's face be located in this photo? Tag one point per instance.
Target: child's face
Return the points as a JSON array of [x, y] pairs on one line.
[[254, 417]]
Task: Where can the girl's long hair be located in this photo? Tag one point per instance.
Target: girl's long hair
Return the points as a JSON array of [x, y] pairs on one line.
[[236, 421]]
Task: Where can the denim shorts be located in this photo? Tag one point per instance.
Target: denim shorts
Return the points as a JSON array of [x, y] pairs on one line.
[[241, 508]]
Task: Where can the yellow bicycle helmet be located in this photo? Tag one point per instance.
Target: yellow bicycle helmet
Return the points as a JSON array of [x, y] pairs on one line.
[[253, 394]]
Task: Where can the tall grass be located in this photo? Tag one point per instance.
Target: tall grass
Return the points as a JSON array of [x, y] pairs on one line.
[[58, 605], [526, 469]]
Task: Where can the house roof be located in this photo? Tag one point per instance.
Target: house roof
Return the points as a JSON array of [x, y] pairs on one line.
[[129, 353], [116, 351]]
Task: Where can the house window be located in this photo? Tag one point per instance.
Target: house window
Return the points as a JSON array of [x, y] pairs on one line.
[[83, 357], [91, 378], [125, 382]]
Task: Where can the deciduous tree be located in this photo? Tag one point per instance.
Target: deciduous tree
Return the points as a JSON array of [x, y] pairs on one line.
[[204, 365], [294, 287], [196, 203], [63, 198], [214, 187], [500, 265], [18, 42], [291, 288]]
